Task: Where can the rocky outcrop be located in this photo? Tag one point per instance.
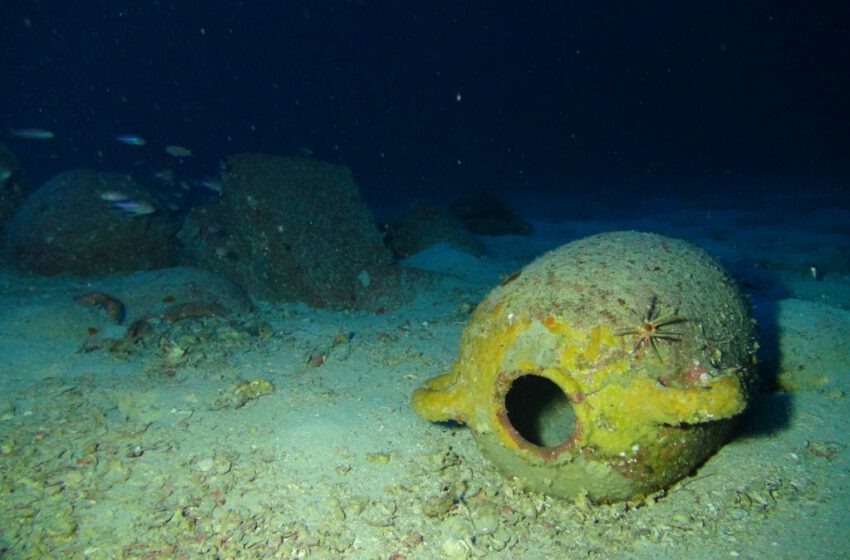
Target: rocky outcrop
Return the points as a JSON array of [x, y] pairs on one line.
[[291, 229], [71, 226]]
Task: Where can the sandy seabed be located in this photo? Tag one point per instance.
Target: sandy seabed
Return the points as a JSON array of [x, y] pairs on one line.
[[290, 435]]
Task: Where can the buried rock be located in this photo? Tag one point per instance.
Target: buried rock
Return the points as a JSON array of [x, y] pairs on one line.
[[72, 225], [291, 229], [485, 214], [425, 226]]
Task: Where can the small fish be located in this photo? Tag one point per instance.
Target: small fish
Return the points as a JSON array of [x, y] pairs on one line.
[[211, 184], [113, 196], [178, 151], [4, 174], [31, 133], [135, 207], [131, 140], [165, 177]]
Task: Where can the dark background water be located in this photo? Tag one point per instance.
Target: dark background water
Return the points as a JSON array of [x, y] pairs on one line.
[[428, 100]]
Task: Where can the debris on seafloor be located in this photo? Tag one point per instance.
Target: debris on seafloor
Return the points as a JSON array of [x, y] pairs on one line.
[[113, 306], [193, 309], [244, 392], [184, 334]]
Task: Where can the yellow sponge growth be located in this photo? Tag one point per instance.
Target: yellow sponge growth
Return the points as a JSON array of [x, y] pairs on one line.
[[592, 374]]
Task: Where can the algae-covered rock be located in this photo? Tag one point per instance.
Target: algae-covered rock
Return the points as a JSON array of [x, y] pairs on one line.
[[69, 226], [427, 225], [610, 367], [291, 229]]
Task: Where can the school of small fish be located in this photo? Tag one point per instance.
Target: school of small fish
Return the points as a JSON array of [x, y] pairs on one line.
[[128, 139], [119, 200], [123, 202]]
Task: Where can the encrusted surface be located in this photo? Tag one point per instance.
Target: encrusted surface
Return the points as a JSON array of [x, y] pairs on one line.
[[650, 401]]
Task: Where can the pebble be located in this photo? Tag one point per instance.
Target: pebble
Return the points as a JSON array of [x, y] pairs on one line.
[[378, 458], [73, 478], [205, 464], [485, 518], [456, 549]]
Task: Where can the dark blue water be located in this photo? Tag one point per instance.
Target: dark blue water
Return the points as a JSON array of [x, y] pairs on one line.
[[426, 100]]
